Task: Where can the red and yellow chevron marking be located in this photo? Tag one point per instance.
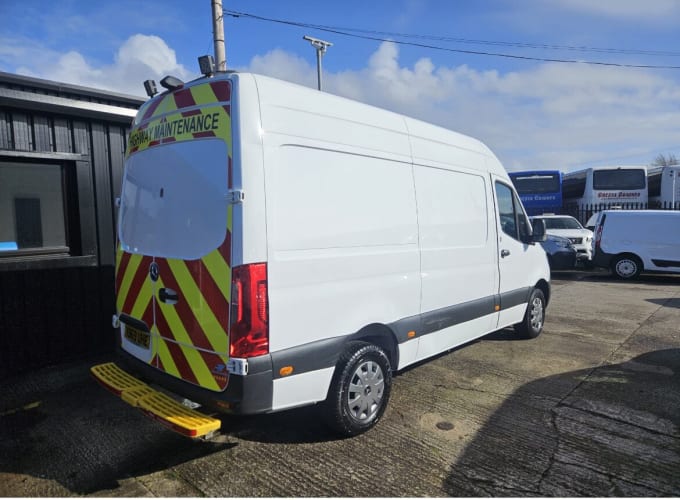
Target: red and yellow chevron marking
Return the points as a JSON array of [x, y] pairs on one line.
[[198, 111], [194, 332], [191, 337], [133, 287]]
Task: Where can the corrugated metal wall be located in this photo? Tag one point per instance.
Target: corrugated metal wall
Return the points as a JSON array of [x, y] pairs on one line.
[[59, 310], [103, 143]]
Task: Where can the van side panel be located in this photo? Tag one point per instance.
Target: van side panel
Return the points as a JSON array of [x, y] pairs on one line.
[[458, 254], [301, 389], [342, 233], [346, 257]]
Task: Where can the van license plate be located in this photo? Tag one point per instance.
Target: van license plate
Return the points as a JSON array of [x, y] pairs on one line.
[[142, 339]]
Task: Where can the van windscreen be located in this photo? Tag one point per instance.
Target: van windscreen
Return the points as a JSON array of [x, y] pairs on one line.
[[173, 201]]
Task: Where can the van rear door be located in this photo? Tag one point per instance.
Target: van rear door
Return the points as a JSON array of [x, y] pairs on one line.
[[175, 237]]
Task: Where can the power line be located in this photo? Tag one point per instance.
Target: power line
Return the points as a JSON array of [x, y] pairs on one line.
[[442, 38], [372, 35]]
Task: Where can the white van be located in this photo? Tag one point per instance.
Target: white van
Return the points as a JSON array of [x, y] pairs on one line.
[[280, 246], [631, 241]]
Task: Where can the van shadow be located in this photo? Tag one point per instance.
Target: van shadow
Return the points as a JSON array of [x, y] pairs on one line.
[[61, 432], [652, 279], [59, 427], [615, 433], [666, 302], [295, 426]]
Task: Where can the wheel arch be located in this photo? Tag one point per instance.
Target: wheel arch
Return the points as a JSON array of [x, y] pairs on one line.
[[382, 336], [628, 255], [544, 286]]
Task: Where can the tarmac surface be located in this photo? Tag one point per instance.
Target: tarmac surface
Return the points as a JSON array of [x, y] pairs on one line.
[[589, 408]]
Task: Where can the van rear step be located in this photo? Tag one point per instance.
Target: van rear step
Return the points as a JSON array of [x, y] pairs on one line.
[[153, 403]]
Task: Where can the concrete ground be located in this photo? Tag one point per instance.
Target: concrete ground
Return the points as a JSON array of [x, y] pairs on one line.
[[590, 408]]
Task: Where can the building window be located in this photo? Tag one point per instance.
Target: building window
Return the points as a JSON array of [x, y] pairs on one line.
[[33, 208]]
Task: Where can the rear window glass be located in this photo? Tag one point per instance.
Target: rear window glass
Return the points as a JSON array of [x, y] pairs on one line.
[[536, 183], [173, 200], [619, 179]]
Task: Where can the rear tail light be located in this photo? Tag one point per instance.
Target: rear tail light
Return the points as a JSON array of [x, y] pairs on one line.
[[598, 236], [249, 316], [598, 231]]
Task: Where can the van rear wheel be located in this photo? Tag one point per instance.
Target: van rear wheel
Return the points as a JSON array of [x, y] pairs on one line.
[[627, 267], [360, 389], [534, 317]]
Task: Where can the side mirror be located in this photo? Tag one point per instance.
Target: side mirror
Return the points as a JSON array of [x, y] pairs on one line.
[[538, 233]]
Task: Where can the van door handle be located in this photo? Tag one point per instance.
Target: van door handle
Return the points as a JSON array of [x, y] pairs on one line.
[[505, 253], [168, 296]]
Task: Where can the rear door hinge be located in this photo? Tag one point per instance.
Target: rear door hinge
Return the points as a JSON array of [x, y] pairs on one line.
[[235, 196]]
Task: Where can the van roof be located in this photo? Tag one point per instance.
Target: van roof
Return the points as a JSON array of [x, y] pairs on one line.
[[644, 212], [352, 110]]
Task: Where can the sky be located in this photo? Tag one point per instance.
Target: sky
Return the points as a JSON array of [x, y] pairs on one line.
[[501, 71]]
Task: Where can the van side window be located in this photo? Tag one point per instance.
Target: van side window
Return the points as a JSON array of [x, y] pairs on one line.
[[513, 219]]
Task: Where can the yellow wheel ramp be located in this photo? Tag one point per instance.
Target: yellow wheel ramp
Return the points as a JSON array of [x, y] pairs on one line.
[[155, 404]]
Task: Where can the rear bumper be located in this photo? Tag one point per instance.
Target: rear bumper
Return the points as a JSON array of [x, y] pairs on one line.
[[602, 259], [244, 395]]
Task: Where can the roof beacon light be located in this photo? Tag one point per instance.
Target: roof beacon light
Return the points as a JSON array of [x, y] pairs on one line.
[[150, 87], [171, 83], [207, 65]]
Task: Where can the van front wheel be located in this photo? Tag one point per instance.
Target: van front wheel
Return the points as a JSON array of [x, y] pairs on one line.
[[360, 389], [532, 324]]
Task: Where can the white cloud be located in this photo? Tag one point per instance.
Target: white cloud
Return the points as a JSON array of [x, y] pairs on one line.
[[141, 57], [550, 115], [285, 66]]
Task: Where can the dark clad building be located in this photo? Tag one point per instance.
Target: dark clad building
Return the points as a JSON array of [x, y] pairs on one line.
[[61, 164]]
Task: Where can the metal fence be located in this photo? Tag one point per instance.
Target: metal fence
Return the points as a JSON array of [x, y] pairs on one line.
[[584, 212]]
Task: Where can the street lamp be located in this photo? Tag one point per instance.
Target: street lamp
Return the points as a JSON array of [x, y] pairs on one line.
[[320, 46]]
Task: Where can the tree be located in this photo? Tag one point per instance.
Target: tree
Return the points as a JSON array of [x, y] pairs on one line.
[[665, 161]]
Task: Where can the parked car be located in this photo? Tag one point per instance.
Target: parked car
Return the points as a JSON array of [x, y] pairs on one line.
[[560, 251], [568, 227]]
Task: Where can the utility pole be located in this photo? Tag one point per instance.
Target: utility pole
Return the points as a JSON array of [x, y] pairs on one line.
[[218, 36], [321, 46]]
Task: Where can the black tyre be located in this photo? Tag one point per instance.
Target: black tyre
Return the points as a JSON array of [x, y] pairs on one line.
[[360, 389], [626, 267], [532, 324]]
